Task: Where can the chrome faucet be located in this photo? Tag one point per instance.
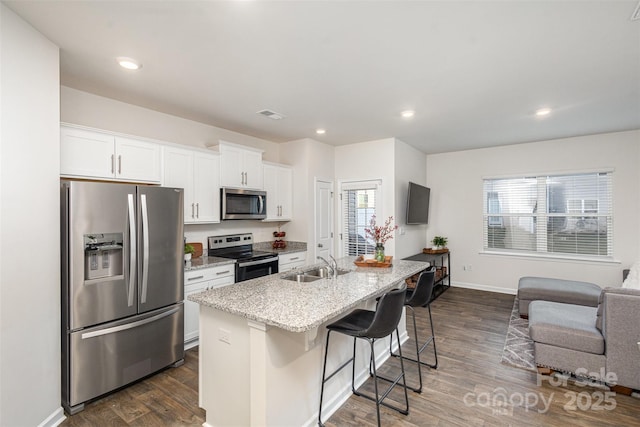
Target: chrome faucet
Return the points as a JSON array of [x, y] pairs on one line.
[[333, 266]]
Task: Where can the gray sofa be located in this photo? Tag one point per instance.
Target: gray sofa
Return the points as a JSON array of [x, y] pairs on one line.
[[600, 342]]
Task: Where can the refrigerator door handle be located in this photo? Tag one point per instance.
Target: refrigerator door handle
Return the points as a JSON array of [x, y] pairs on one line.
[[132, 250], [145, 247], [126, 326]]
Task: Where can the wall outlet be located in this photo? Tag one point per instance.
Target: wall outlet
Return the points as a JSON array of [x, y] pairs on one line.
[[224, 335], [466, 267]]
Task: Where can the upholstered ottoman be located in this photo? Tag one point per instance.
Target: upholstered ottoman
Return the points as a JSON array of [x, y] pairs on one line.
[[566, 337], [556, 290]]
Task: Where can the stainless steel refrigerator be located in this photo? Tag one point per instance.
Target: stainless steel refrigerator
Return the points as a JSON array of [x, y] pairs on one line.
[[122, 286]]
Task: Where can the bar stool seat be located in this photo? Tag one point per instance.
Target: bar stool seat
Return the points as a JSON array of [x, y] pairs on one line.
[[421, 297], [370, 325]]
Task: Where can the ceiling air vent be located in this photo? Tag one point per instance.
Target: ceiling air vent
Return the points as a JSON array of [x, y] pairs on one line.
[[636, 13], [271, 114]]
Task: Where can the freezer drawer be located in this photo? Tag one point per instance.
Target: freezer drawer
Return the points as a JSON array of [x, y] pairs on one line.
[[104, 358]]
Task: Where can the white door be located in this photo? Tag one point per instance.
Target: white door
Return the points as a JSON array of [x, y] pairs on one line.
[[324, 220]]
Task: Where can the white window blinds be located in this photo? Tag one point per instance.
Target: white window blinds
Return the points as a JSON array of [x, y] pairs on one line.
[[559, 214], [359, 202]]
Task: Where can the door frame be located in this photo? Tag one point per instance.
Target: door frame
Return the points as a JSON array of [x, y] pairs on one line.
[[331, 183]]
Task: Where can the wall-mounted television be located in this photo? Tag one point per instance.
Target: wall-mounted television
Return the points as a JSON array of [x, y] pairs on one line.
[[418, 204]]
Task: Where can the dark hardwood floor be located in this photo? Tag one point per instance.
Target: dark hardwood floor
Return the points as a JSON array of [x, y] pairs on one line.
[[467, 389]]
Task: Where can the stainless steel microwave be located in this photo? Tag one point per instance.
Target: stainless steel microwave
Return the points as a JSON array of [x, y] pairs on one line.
[[237, 203]]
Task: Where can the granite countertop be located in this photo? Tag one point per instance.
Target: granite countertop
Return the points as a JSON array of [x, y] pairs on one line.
[[206, 262], [291, 247], [300, 307]]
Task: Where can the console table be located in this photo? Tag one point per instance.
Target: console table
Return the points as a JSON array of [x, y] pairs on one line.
[[442, 262]]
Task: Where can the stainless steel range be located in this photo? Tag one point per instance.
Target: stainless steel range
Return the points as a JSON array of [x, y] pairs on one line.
[[249, 263]]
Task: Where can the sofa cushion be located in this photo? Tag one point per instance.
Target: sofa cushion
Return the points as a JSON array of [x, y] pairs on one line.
[[565, 325], [557, 290]]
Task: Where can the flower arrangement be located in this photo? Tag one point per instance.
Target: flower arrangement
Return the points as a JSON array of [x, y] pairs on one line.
[[380, 233]]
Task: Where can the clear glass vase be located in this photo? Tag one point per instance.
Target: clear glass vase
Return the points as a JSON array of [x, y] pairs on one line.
[[379, 254]]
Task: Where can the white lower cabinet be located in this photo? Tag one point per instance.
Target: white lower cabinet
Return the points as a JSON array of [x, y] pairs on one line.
[[292, 260], [197, 281]]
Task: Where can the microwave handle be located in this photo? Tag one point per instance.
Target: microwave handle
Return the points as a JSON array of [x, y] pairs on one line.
[[261, 202]]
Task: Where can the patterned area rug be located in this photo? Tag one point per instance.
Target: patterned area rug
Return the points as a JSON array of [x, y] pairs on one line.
[[518, 347]]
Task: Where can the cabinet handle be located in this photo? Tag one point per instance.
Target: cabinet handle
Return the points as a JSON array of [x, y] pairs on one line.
[[197, 210], [195, 278], [113, 164], [293, 259], [119, 165], [223, 272], [192, 212]]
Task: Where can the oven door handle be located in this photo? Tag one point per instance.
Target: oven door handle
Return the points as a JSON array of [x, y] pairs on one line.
[[262, 261]]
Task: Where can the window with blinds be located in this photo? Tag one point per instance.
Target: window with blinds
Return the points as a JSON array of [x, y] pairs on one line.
[[359, 203], [559, 214]]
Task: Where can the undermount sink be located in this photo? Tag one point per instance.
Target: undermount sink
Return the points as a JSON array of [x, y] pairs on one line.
[[301, 277], [324, 272], [312, 275]]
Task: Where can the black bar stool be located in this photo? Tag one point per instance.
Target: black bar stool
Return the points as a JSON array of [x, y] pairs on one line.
[[421, 297], [370, 325]]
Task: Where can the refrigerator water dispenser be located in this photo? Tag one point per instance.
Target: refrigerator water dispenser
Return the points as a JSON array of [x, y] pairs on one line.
[[103, 255]]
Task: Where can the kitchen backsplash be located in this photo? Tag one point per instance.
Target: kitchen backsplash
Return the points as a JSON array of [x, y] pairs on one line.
[[262, 231]]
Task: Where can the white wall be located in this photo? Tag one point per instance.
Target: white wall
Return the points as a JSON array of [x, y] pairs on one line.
[[410, 165], [310, 159], [455, 180], [83, 108], [368, 161], [29, 226]]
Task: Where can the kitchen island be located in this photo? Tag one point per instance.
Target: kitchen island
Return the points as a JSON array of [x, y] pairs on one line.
[[261, 344]]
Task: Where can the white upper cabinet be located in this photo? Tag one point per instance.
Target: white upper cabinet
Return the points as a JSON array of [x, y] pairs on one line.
[[99, 155], [240, 167], [199, 174], [278, 183]]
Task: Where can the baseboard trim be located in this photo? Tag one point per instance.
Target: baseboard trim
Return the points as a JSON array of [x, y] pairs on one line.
[[485, 288], [55, 419]]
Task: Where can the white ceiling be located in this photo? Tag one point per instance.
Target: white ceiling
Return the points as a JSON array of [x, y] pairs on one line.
[[474, 71]]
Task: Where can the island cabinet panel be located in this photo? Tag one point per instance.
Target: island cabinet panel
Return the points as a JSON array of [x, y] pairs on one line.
[[266, 376]]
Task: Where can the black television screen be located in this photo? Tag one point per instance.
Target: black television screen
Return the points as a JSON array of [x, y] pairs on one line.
[[418, 204]]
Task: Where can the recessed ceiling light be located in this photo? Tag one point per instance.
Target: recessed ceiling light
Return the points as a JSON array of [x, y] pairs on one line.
[[321, 131], [407, 114], [129, 63], [543, 112]]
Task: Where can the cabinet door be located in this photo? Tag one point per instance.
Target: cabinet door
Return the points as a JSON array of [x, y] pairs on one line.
[[271, 187], [86, 153], [206, 184], [231, 166], [192, 312], [178, 172], [285, 193], [137, 160], [253, 169]]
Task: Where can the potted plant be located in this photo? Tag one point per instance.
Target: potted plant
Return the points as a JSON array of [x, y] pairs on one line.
[[439, 242], [188, 251]]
